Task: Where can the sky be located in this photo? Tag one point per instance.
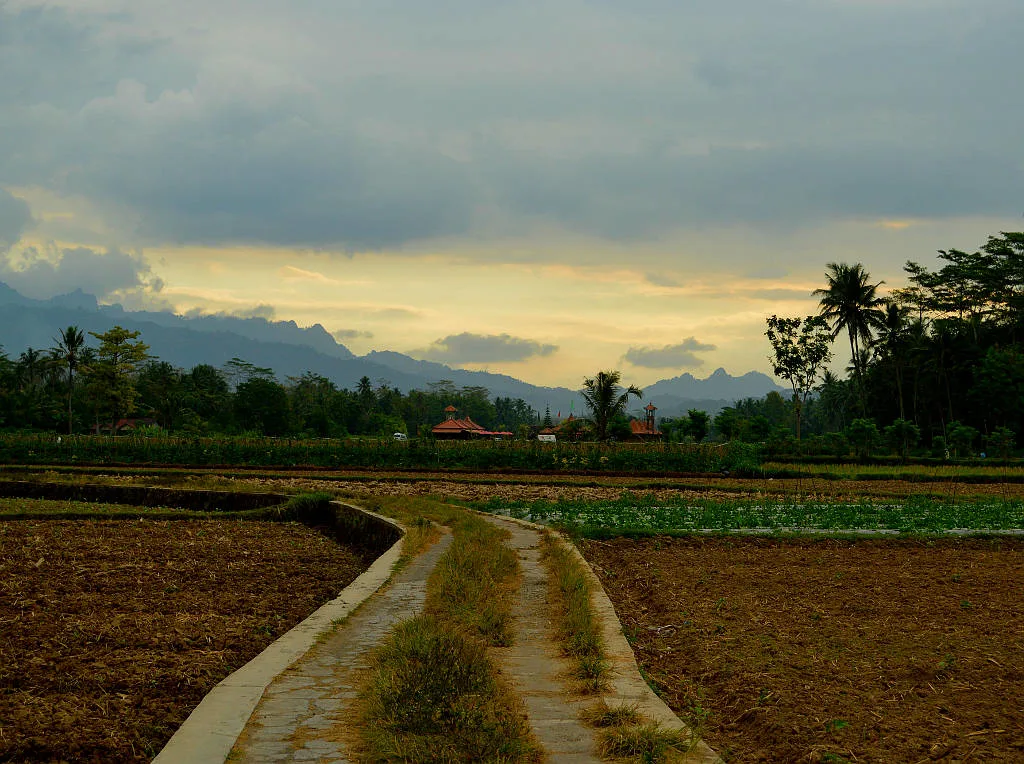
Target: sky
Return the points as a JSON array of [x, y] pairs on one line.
[[543, 189]]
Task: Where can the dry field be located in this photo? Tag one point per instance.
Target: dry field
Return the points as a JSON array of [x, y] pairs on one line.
[[112, 631], [830, 650]]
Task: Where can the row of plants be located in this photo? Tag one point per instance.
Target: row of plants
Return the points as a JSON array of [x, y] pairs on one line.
[[382, 453], [913, 471], [644, 514]]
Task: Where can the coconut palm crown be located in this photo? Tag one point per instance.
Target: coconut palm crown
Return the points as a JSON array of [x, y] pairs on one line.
[[606, 398], [851, 302], [68, 351]]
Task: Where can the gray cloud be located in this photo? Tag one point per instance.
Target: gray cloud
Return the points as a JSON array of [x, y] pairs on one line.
[[681, 356], [45, 274], [350, 334], [658, 279], [359, 126], [14, 219], [483, 348], [264, 311]]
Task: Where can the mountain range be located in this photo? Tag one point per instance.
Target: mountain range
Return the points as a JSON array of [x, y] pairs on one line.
[[291, 350]]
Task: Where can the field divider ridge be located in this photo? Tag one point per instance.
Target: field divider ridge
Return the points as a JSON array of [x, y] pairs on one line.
[[211, 730]]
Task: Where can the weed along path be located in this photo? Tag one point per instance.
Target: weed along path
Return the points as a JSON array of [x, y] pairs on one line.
[[307, 713]]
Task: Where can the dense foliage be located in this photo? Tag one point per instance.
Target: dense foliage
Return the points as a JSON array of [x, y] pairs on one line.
[[936, 367], [77, 388], [379, 452]]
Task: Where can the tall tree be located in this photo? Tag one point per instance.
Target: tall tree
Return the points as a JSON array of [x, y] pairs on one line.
[[68, 351], [892, 339], [800, 348], [605, 398], [851, 302], [112, 376]]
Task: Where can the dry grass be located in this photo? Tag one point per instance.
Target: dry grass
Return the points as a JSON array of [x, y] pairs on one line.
[[577, 627], [434, 694]]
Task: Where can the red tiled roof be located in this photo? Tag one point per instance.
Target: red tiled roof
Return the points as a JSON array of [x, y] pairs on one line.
[[640, 428], [459, 425]]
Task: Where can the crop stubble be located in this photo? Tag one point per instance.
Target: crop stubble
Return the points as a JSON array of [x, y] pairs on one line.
[[830, 650], [111, 632]]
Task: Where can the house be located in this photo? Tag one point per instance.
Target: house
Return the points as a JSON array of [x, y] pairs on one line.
[[570, 428], [123, 426], [453, 428], [645, 430]]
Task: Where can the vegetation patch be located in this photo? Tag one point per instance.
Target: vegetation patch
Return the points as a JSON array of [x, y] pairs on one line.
[[434, 694], [648, 514], [644, 742], [376, 453], [475, 580], [578, 630]]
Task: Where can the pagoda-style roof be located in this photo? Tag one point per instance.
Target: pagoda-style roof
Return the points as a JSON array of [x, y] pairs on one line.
[[644, 429]]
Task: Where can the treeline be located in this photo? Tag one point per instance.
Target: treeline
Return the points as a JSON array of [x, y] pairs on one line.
[[935, 367], [78, 387]]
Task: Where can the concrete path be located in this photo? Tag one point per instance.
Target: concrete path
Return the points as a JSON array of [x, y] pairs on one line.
[[303, 713], [539, 672], [533, 662]]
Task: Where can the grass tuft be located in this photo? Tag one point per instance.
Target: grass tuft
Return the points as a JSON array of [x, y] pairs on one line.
[[603, 715], [577, 628], [475, 580], [647, 743], [434, 694]]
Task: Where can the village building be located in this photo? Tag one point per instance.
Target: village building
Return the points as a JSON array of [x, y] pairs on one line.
[[454, 428], [646, 430], [123, 426]]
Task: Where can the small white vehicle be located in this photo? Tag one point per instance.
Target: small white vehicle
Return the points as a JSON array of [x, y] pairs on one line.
[[546, 438], [400, 436]]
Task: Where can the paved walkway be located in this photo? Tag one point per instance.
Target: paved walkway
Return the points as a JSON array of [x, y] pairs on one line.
[[302, 711], [306, 712], [534, 663]]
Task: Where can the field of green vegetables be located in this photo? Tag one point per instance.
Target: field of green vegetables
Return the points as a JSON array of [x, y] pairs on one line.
[[383, 453], [640, 515]]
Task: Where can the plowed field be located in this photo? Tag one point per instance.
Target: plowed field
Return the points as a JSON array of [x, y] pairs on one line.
[[829, 650], [111, 632]]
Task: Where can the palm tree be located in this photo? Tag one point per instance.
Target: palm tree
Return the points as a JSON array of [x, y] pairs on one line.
[[850, 302], [69, 352], [892, 338], [605, 398]]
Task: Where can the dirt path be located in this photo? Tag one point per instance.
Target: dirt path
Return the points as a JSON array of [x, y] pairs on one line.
[[305, 714]]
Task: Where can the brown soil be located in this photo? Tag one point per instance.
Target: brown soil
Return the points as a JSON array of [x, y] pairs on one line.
[[111, 632], [708, 488], [828, 650], [478, 486]]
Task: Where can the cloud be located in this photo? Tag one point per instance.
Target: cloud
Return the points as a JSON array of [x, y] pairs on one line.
[[483, 348], [46, 273], [15, 217], [660, 280], [350, 334], [681, 356], [264, 311], [368, 126]]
